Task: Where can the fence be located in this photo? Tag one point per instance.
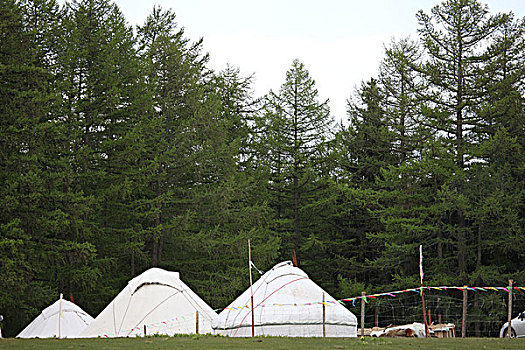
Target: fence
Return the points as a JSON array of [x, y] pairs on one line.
[[475, 311]]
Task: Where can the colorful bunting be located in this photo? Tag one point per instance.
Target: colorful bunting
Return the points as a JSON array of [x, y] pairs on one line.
[[353, 300]]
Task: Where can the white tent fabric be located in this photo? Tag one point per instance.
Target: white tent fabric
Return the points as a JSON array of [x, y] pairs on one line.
[[73, 321], [157, 302], [287, 303]]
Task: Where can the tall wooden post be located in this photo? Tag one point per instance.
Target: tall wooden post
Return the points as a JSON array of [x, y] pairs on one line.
[[509, 313], [197, 322], [424, 312], [363, 313], [59, 316], [376, 311], [324, 317], [464, 317], [251, 285], [421, 275]]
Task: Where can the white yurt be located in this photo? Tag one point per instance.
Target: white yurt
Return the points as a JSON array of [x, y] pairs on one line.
[[63, 319], [287, 303], [155, 302]]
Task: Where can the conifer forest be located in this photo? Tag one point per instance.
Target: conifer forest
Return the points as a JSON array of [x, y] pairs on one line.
[[121, 149]]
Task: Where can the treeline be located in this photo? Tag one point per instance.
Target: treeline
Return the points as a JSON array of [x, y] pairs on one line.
[[120, 149]]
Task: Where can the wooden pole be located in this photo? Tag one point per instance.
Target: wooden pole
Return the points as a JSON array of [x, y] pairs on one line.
[[145, 331], [363, 314], [324, 317], [251, 285], [421, 275], [424, 311], [377, 316], [197, 322], [59, 316], [464, 317], [509, 313]]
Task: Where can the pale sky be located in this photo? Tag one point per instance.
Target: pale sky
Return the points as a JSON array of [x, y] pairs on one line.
[[341, 42]]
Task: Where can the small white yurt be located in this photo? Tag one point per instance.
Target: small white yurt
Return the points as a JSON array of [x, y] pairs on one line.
[[155, 302], [287, 303], [63, 319]]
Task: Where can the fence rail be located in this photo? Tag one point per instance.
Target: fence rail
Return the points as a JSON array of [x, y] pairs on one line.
[[475, 311]]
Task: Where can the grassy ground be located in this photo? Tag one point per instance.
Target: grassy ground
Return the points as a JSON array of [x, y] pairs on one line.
[[209, 342]]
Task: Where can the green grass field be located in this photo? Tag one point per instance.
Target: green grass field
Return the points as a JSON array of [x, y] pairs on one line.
[[209, 342]]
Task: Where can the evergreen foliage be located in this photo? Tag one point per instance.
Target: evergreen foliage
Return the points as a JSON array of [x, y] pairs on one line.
[[120, 149], [296, 129]]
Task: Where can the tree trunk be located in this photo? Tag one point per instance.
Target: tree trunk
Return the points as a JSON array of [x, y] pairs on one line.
[[296, 217], [462, 245], [402, 127], [477, 325], [440, 243], [296, 175], [154, 251], [158, 222], [132, 264], [477, 328]]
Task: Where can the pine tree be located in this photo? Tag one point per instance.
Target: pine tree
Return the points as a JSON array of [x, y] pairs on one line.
[[366, 146], [414, 201], [402, 87], [99, 76], [15, 47], [370, 137], [175, 71], [500, 121], [502, 82], [37, 212], [455, 37], [297, 128]]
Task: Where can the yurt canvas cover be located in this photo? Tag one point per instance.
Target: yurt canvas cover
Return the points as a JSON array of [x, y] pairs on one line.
[[157, 301], [73, 321], [287, 303]]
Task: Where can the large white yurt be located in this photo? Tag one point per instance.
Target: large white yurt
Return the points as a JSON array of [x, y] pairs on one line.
[[287, 303], [155, 302], [63, 319]]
